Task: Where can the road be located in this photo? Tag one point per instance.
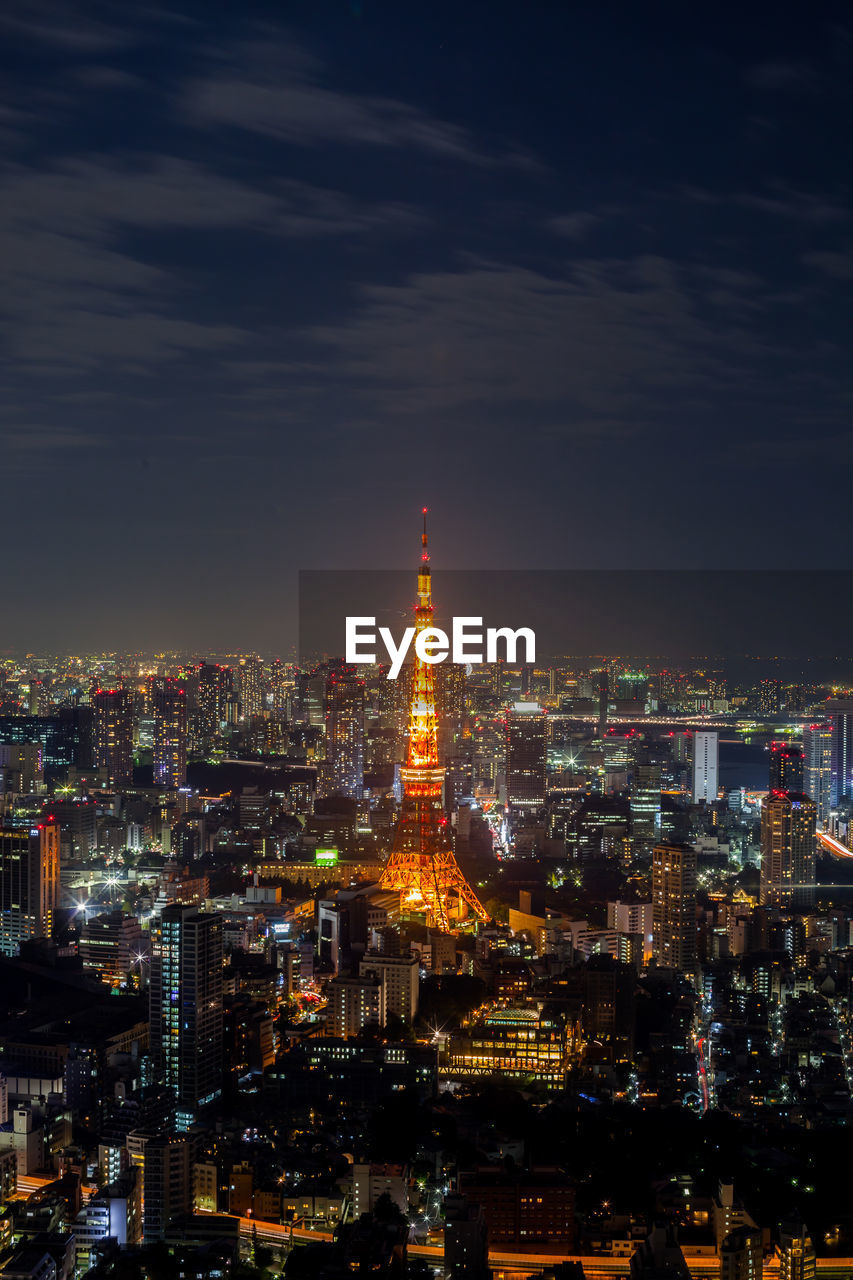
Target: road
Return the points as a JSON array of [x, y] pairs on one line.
[[834, 846], [503, 1261], [27, 1185], [702, 1069]]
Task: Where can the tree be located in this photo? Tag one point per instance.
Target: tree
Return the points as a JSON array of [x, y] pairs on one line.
[[497, 910]]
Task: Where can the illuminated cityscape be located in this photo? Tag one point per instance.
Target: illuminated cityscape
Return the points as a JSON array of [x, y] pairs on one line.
[[240, 940], [426, 641]]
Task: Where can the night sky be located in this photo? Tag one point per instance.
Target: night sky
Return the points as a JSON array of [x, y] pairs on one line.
[[275, 275]]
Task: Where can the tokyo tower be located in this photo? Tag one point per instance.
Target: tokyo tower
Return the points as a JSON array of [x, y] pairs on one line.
[[422, 867]]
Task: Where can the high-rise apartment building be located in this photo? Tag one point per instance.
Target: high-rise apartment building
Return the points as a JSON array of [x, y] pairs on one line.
[[29, 884], [280, 686], [788, 822], [312, 697], [817, 768], [345, 735], [21, 767], [215, 687], [114, 734], [112, 945], [797, 1257], [251, 674], [525, 758], [169, 706], [186, 1005], [646, 803], [706, 755], [401, 976], [674, 906], [741, 1255], [840, 715], [769, 697], [164, 1161], [786, 767], [355, 1003]]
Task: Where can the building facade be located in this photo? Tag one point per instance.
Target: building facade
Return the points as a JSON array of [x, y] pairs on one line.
[[113, 729], [186, 1005], [525, 758], [169, 755], [788, 850], [706, 753], [817, 768], [29, 884], [674, 906]]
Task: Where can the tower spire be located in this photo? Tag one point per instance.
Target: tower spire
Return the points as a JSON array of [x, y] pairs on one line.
[[422, 866]]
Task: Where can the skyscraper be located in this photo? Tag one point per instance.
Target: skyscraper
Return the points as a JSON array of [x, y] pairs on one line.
[[525, 758], [706, 752], [169, 705], [29, 883], [817, 771], [603, 699], [186, 1005], [345, 734], [251, 672], [646, 803], [768, 699], [114, 734], [786, 767], [788, 821], [166, 1181], [840, 714], [279, 687], [312, 697], [674, 906], [215, 686]]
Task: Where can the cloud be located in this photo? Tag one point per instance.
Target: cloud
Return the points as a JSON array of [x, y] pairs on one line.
[[73, 294], [305, 114], [156, 191], [100, 76], [166, 192], [778, 199], [781, 74], [801, 206], [605, 341], [53, 22], [838, 265], [572, 225], [282, 94], [31, 437]]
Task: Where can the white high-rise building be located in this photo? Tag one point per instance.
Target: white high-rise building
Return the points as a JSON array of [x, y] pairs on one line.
[[706, 759], [817, 771]]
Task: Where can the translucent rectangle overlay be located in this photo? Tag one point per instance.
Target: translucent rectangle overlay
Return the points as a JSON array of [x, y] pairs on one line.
[[801, 621]]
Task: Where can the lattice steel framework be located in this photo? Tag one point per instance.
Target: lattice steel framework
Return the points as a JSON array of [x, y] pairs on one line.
[[422, 867]]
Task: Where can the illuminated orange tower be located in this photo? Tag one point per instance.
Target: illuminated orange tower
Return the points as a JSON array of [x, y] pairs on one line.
[[422, 867]]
